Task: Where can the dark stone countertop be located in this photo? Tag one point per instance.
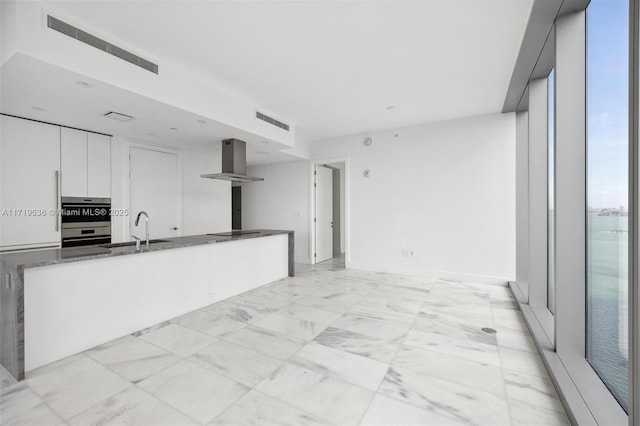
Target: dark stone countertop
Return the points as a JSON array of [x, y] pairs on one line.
[[44, 257]]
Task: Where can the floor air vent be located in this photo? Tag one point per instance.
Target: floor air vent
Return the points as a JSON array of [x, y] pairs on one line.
[[98, 43], [273, 121]]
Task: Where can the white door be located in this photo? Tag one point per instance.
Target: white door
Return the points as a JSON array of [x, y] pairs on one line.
[[155, 189], [324, 213], [29, 183]]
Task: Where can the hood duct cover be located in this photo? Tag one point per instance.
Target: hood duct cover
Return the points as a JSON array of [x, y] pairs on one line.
[[234, 163]]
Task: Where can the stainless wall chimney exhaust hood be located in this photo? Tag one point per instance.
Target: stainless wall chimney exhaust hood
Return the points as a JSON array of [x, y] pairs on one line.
[[234, 163]]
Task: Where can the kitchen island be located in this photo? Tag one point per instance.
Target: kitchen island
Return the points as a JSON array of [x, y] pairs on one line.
[[59, 302]]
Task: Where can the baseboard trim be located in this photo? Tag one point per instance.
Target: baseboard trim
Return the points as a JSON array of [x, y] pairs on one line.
[[430, 273]]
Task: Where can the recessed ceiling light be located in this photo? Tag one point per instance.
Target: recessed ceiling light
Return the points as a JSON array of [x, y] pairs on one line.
[[118, 116], [202, 122], [265, 142], [173, 128], [391, 108], [37, 108], [152, 134], [83, 84]]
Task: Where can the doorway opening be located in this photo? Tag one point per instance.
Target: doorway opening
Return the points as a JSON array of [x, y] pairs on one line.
[[329, 220], [236, 207]]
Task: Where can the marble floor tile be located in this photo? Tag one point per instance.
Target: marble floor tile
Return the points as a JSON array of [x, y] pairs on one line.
[[364, 372], [334, 400], [359, 344], [258, 409], [392, 305], [240, 364], [385, 411], [294, 287], [395, 291], [328, 346], [19, 405], [131, 407], [241, 312], [306, 313], [523, 362], [294, 327], [6, 379], [444, 398], [333, 291], [179, 340], [258, 301], [213, 325], [376, 314], [287, 294], [466, 312], [265, 341], [76, 386], [464, 348], [372, 327], [134, 359], [455, 329], [532, 415], [512, 339], [324, 304], [198, 392], [532, 390], [474, 374]]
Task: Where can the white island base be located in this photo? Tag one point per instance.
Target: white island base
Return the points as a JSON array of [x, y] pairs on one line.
[[73, 307]]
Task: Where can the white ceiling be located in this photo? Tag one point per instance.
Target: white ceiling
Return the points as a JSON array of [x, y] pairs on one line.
[[27, 83], [332, 67]]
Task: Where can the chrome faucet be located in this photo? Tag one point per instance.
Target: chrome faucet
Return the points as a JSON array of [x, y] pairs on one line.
[[146, 221]]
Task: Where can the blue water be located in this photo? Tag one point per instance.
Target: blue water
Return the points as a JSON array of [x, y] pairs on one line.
[[607, 308]]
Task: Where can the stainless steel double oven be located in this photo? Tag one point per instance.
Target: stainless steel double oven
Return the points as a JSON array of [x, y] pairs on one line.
[[85, 221]]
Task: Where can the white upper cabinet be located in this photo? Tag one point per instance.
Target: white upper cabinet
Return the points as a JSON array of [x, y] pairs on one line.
[[99, 166], [86, 164], [73, 158], [29, 186]]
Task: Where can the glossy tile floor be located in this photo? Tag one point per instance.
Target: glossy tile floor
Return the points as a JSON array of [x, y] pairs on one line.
[[330, 346]]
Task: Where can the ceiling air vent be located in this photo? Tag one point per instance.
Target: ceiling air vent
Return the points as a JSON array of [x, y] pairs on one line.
[[272, 121], [98, 43]]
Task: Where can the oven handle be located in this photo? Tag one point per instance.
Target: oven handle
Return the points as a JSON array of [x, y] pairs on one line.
[[97, 237], [58, 213]]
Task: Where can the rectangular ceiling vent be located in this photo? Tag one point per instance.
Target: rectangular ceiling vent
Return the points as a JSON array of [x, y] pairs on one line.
[[98, 43], [272, 121]]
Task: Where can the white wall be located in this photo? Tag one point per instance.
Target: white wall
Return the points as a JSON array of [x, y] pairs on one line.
[[444, 190], [206, 204], [281, 201]]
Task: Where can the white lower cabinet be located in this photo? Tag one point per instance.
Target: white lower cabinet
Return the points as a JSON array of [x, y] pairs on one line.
[[29, 183], [72, 307]]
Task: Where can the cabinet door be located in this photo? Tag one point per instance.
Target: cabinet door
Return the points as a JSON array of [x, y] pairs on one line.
[[29, 188], [74, 162], [99, 166]]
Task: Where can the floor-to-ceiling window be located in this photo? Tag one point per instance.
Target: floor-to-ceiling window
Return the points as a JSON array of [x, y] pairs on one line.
[[607, 193], [550, 193]]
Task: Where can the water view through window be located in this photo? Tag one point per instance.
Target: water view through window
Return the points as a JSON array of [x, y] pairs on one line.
[[607, 193]]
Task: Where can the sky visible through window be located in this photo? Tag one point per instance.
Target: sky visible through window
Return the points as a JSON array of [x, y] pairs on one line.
[[608, 104]]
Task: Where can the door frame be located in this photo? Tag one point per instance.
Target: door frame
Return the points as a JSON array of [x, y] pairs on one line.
[[164, 150], [347, 207]]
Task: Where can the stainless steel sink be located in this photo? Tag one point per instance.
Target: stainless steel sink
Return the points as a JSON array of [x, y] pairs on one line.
[[131, 243]]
